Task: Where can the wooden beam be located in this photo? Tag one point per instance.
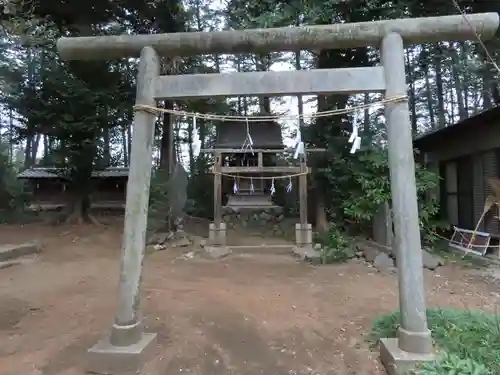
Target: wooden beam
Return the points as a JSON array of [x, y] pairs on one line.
[[284, 170], [337, 36], [310, 82], [256, 150]]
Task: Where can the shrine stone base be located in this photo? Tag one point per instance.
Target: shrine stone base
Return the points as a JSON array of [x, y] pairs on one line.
[[253, 216], [303, 235], [106, 358], [217, 234]]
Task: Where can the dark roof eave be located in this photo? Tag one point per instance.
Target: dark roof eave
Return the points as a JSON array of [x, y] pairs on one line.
[[438, 134]]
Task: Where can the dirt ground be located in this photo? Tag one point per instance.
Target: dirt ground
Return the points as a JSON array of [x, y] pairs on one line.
[[243, 315]]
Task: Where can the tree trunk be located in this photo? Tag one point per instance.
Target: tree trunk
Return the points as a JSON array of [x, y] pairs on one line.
[[262, 66], [190, 131], [77, 210], [428, 97], [79, 193], [487, 78], [462, 112], [166, 143], [46, 150], [106, 152], [34, 148], [124, 146], [413, 97], [27, 152], [11, 136], [466, 81], [367, 131], [439, 87], [451, 115], [129, 142]]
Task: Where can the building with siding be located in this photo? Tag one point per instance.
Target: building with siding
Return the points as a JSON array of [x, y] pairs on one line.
[[466, 155], [49, 187]]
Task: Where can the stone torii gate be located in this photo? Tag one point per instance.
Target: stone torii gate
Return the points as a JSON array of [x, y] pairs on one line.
[[127, 343]]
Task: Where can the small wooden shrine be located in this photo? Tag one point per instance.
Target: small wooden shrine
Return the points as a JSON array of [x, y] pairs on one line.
[[248, 189], [243, 178]]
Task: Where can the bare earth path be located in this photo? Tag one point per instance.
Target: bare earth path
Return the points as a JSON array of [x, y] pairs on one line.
[[242, 315]]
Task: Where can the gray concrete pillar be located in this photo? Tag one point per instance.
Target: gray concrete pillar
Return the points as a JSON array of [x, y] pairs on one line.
[[127, 344], [414, 336]]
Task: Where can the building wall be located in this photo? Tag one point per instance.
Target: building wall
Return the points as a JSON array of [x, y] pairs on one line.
[[465, 188], [491, 169], [479, 142], [49, 192], [109, 190]]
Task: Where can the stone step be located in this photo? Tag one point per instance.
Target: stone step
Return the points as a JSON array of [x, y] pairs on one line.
[[18, 261], [10, 252], [263, 249], [248, 193]]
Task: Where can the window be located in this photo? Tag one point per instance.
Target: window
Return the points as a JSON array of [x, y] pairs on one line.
[[457, 192]]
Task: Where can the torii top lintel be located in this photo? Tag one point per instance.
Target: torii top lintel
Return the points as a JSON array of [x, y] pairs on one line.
[[345, 35]]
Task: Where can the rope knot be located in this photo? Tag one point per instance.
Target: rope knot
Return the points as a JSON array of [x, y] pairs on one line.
[[147, 108]]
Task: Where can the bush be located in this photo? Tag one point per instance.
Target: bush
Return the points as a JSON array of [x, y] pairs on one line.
[[159, 204], [13, 198], [200, 191], [368, 186], [336, 246], [469, 340]]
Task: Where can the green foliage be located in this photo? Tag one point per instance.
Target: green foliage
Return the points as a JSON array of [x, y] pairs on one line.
[[13, 198], [159, 206], [288, 200], [451, 364], [200, 190], [369, 186], [470, 340], [336, 246]]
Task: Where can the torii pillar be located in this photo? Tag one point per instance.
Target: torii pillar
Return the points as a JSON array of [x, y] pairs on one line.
[[125, 347]]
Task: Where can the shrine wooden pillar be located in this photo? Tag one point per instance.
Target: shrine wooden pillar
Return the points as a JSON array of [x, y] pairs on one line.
[[217, 189], [303, 230], [217, 229]]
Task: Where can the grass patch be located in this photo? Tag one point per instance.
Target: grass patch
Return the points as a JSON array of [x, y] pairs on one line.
[[469, 341]]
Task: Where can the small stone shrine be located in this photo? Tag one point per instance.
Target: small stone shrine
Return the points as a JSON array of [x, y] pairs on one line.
[[246, 195]]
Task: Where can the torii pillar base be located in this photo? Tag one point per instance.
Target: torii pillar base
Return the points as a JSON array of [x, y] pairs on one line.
[[398, 362], [108, 359], [217, 234], [303, 235]]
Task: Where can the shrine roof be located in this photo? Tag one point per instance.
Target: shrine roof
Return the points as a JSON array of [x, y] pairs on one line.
[[265, 134]]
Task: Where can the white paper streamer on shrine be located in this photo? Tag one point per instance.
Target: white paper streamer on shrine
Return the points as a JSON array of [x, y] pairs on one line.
[[252, 190], [196, 138], [235, 187], [248, 143], [273, 189], [299, 145], [289, 186], [355, 139]]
